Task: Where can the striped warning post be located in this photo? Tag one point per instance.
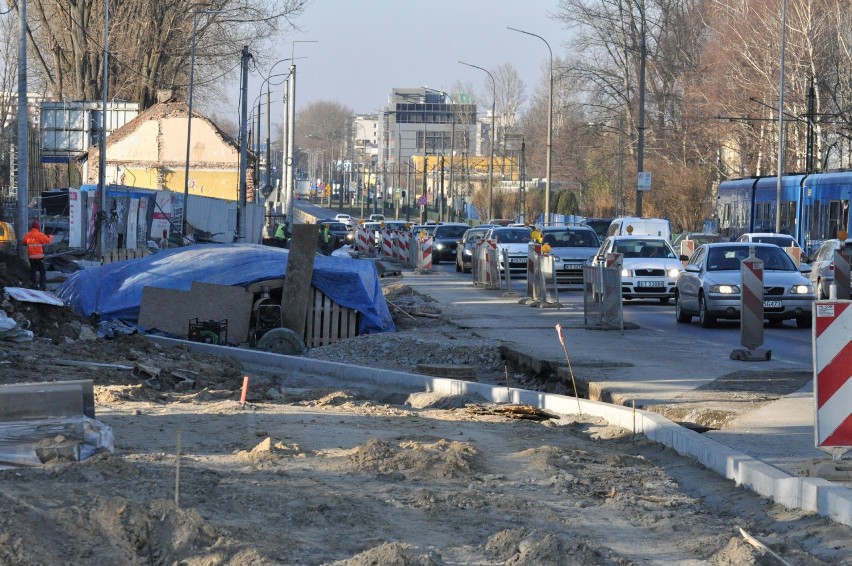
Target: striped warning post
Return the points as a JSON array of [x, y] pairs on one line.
[[751, 299], [387, 243], [425, 253], [403, 238], [841, 275], [533, 251], [364, 241], [832, 343]]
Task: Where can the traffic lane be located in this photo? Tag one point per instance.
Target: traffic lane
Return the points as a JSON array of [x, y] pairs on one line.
[[787, 342]]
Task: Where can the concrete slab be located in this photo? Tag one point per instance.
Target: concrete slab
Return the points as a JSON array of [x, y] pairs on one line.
[[60, 399]]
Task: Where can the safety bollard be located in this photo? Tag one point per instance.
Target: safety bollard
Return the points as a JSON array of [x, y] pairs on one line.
[[832, 394], [751, 311], [841, 275]]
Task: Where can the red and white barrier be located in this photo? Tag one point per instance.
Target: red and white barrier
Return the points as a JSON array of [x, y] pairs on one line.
[[841, 275], [424, 256], [365, 241], [832, 344], [751, 309], [387, 243], [486, 264], [403, 243]]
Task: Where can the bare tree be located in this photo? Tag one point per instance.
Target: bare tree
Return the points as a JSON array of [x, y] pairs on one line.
[[325, 126], [149, 43]]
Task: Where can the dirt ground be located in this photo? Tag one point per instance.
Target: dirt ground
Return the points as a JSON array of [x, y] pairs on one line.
[[316, 472]]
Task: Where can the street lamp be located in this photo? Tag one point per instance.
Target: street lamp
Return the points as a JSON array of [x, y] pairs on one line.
[[781, 119], [549, 128], [493, 127], [189, 116], [452, 152], [640, 151], [363, 161]]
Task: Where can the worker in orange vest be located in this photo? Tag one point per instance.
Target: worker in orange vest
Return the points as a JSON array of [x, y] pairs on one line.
[[34, 240]]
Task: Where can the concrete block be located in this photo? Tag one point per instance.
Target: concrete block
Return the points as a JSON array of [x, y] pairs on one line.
[[22, 401]]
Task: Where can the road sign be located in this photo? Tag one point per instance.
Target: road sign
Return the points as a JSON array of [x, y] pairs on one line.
[[644, 181], [832, 380], [421, 200]]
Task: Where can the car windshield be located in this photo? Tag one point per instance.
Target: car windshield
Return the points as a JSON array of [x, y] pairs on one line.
[[725, 258], [336, 226], [570, 239], [636, 247], [699, 239], [450, 231], [780, 241], [474, 234], [513, 236]]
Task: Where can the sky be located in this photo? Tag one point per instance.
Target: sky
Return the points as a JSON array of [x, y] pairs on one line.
[[365, 48]]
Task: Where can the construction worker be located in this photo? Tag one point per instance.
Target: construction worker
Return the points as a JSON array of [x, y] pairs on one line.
[[34, 240], [281, 234]]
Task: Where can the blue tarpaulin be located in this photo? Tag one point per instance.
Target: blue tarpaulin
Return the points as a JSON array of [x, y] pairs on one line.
[[114, 291]]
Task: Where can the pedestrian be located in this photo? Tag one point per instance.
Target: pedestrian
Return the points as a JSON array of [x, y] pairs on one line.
[[164, 241], [35, 240]]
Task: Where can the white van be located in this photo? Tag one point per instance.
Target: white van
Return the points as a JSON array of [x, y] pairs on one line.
[[634, 226]]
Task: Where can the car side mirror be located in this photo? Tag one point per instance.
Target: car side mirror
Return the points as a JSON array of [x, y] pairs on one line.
[[683, 257], [804, 268]]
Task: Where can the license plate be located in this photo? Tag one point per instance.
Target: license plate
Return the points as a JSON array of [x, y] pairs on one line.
[[573, 265], [517, 260], [650, 284], [772, 304]]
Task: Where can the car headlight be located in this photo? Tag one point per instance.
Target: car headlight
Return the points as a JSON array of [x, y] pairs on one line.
[[468, 252], [674, 272], [625, 273], [801, 289], [439, 246], [725, 289]]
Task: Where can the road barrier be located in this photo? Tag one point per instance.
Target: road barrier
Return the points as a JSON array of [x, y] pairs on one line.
[[751, 311], [387, 243], [400, 245], [541, 278], [832, 344], [486, 268], [424, 254], [841, 275], [365, 241], [687, 248], [795, 254], [602, 307]]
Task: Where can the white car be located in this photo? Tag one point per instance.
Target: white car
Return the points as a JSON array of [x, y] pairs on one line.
[[822, 265], [515, 241], [650, 266], [344, 219]]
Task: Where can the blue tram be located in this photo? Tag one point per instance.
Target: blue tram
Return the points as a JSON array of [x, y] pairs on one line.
[[814, 207]]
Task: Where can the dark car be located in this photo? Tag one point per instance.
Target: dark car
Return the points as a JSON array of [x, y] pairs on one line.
[[339, 233], [599, 225], [464, 251], [446, 238]]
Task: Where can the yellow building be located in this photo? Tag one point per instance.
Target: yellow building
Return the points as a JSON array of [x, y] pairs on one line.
[[505, 168], [150, 152]]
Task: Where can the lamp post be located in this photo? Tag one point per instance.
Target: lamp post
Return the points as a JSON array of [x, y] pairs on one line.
[[452, 150], [189, 115], [549, 128], [781, 119], [493, 124], [363, 158], [640, 151]]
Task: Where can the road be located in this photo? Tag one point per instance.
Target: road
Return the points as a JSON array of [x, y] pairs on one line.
[[787, 342]]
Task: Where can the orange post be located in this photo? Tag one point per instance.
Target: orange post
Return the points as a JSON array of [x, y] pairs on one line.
[[245, 390]]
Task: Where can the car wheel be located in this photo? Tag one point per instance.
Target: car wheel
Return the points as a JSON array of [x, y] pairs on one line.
[[774, 322], [664, 300], [681, 316], [707, 320], [804, 321], [458, 267]]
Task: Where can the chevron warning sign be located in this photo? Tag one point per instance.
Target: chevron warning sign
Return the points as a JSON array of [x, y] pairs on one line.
[[833, 373]]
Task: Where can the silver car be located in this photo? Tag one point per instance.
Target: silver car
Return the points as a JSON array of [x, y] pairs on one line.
[[822, 265], [465, 248], [650, 266], [571, 247], [710, 286]]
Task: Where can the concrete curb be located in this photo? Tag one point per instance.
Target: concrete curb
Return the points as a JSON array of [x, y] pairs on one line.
[[812, 495]]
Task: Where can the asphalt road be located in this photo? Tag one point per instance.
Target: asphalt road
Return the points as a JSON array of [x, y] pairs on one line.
[[787, 342]]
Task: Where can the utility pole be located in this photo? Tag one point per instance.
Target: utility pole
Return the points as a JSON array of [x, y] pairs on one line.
[[243, 142], [23, 129], [102, 167], [290, 185]]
